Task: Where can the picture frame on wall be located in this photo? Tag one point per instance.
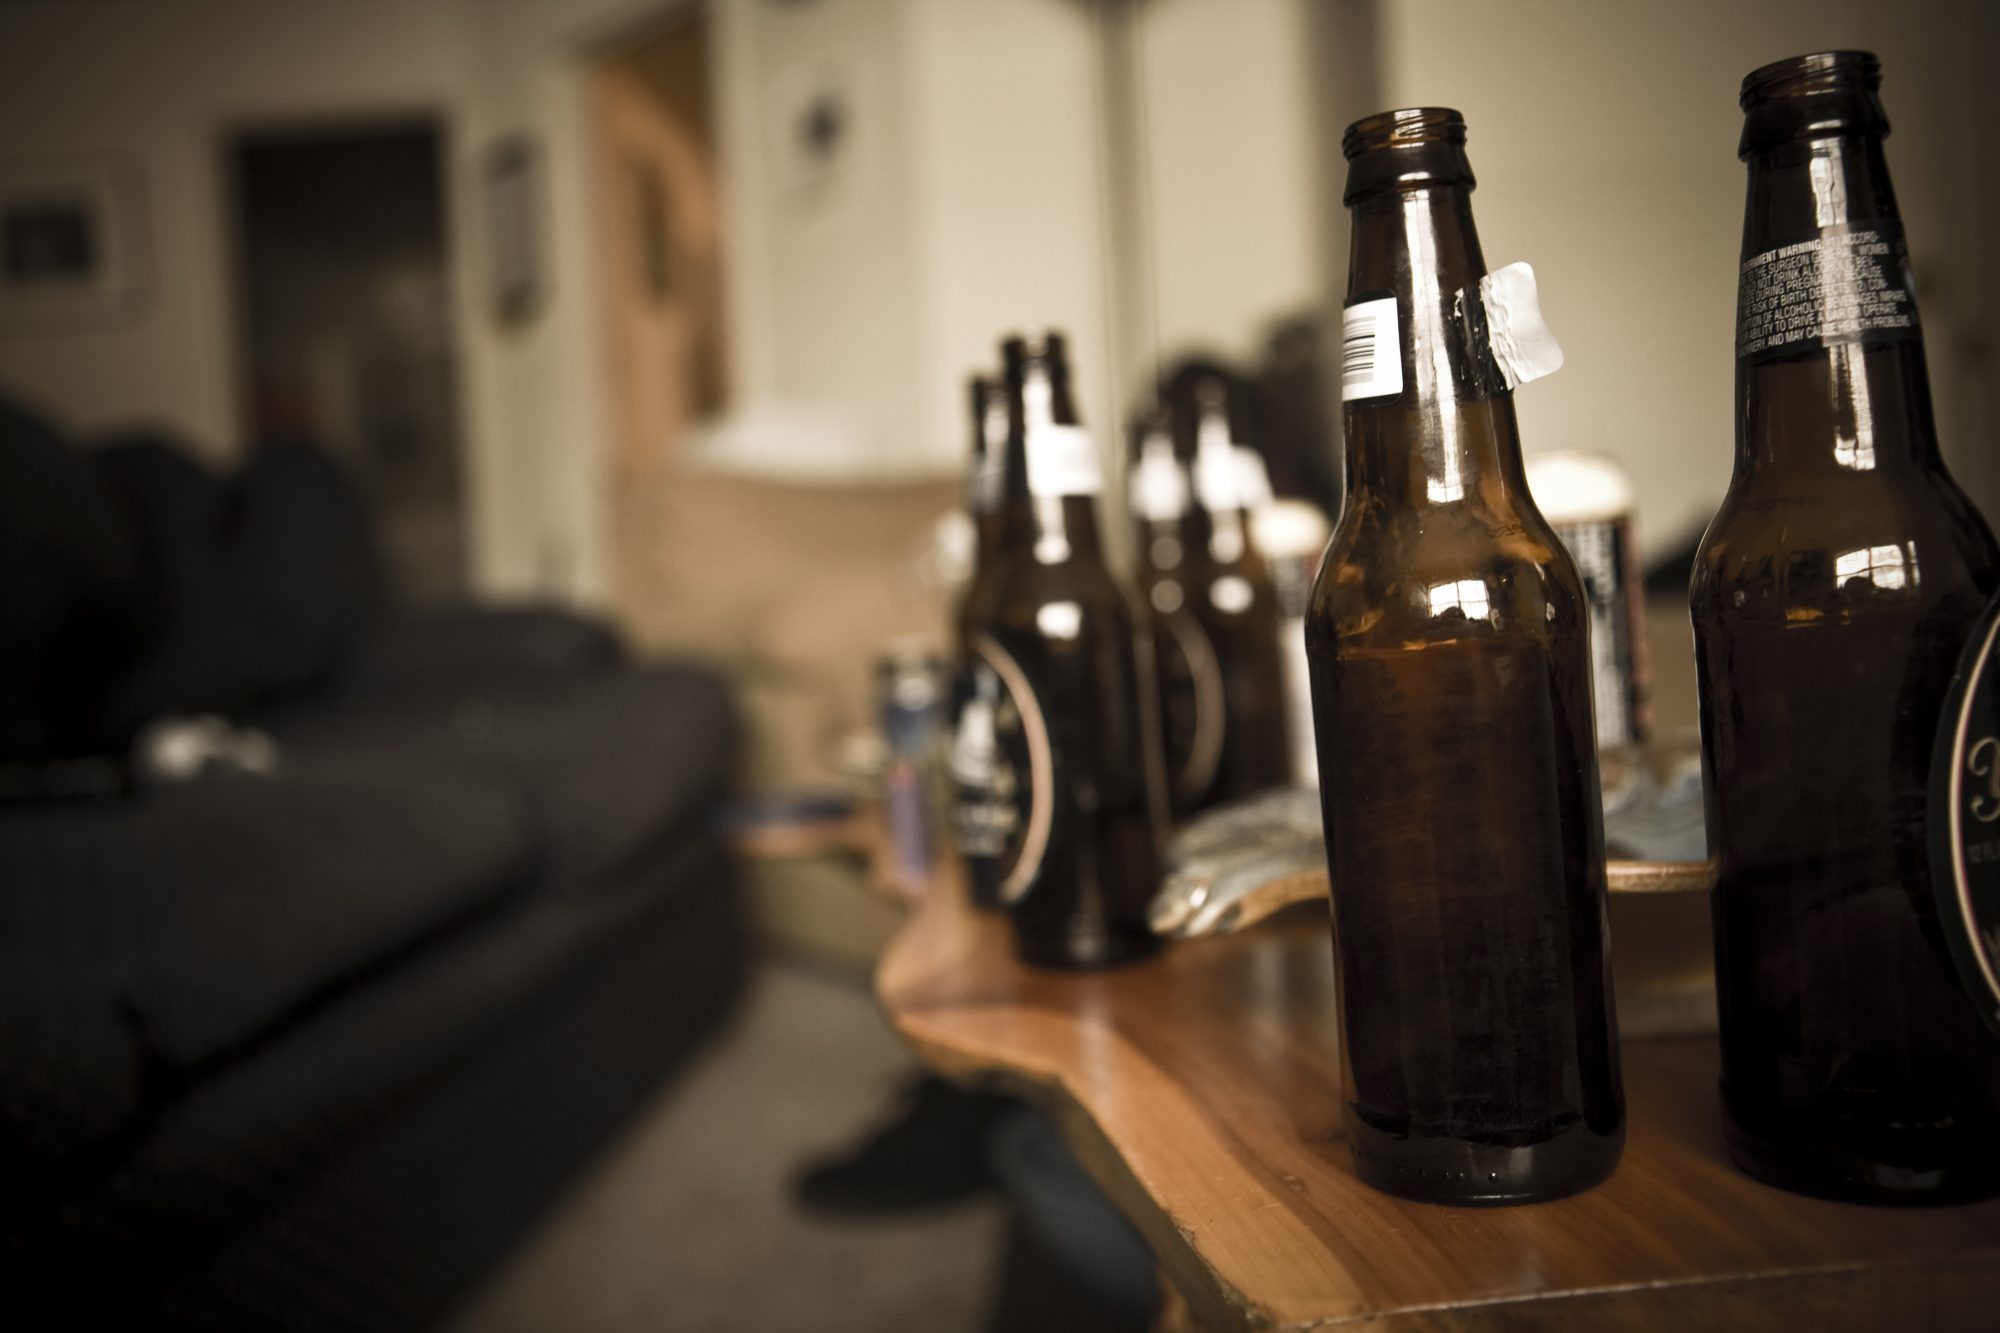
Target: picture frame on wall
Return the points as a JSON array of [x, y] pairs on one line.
[[513, 228], [73, 249]]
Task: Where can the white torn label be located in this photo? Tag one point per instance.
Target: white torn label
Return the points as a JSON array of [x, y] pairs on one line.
[[1522, 345]]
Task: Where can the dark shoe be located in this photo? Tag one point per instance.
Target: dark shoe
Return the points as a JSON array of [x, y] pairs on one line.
[[932, 1152]]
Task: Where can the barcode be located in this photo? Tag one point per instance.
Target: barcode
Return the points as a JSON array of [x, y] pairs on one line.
[[1371, 362], [1357, 351]]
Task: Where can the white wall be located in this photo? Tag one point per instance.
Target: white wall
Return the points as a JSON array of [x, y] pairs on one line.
[[973, 204], [979, 204], [1006, 184], [1604, 139], [538, 408], [158, 85], [1235, 163]]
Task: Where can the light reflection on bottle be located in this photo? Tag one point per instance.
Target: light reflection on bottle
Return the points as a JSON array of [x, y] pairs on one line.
[[1430, 341], [1853, 413], [1466, 596], [1059, 620], [1888, 568], [1231, 594]]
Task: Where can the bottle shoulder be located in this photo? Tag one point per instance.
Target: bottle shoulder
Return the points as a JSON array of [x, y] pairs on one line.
[[1786, 542], [1082, 591], [1405, 578], [1238, 590]]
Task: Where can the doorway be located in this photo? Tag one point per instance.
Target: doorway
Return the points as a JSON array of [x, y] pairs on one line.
[[660, 244], [660, 228], [347, 336]]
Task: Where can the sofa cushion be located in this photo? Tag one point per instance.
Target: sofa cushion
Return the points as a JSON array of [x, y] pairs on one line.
[[145, 943], [397, 1127], [305, 567], [200, 653], [66, 599], [422, 655], [610, 766], [257, 587]]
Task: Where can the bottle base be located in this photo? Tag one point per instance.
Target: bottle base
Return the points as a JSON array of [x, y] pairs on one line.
[[1462, 1173], [1801, 1159]]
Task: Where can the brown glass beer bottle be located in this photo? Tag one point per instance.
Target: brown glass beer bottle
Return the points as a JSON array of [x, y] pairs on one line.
[[1188, 677], [1075, 715], [1831, 596], [1450, 667], [1231, 594], [982, 786]]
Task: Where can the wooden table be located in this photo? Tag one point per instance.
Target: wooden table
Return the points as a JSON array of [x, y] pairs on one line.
[[1200, 1089]]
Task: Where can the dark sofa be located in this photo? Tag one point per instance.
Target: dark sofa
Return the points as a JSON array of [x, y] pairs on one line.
[[312, 1048]]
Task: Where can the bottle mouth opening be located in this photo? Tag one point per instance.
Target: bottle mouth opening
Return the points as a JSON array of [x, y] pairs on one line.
[[1811, 75], [1041, 345], [1411, 127]]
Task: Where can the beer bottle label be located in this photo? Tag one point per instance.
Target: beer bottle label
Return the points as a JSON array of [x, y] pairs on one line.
[[1371, 348], [1062, 460], [1965, 817], [1159, 487], [1217, 477], [982, 779], [1848, 283], [1002, 772]]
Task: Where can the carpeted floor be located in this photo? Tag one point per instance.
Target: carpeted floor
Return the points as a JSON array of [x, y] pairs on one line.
[[687, 1223]]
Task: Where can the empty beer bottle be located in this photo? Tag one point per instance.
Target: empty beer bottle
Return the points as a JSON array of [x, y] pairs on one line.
[[1450, 668], [1232, 594], [982, 781], [1185, 667], [985, 497], [1075, 712], [1831, 596]]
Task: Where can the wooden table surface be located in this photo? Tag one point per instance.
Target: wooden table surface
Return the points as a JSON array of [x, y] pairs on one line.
[[1200, 1089]]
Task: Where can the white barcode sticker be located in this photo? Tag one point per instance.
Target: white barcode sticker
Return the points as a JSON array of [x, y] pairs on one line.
[[1062, 460], [1371, 350]]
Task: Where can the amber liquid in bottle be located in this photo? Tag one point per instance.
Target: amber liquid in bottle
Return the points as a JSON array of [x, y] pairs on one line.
[[1831, 597], [1069, 645], [1450, 663]]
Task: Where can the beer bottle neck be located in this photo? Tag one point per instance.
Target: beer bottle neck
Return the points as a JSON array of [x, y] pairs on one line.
[[1220, 526], [1159, 484], [1830, 355], [986, 481], [1450, 432], [1063, 472], [986, 537], [1066, 529], [1012, 525]]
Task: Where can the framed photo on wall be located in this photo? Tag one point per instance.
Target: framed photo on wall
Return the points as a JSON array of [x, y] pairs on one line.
[[513, 228], [72, 244]]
